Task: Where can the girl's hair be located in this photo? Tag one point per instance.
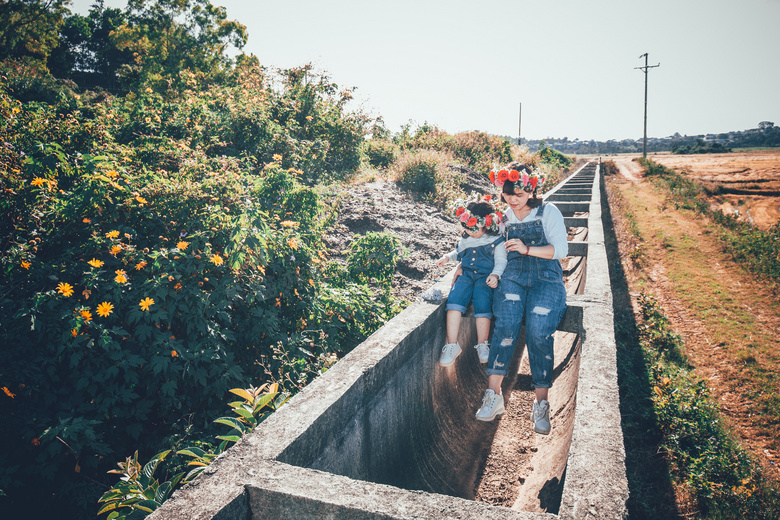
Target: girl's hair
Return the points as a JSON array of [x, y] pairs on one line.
[[480, 209], [509, 186]]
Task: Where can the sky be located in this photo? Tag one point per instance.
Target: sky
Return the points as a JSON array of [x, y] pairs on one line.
[[540, 69]]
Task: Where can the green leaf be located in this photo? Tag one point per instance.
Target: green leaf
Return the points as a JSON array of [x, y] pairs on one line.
[[233, 423], [242, 393], [231, 438]]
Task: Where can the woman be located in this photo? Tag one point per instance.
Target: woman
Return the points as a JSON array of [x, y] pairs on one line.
[[531, 288]]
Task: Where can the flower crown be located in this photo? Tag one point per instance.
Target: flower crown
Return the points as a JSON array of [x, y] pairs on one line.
[[529, 182], [471, 222]]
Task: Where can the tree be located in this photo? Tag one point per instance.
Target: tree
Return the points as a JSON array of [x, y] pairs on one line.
[[765, 125], [30, 27], [169, 36]]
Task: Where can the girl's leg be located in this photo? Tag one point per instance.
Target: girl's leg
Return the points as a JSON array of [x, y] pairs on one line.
[[483, 329], [453, 325]]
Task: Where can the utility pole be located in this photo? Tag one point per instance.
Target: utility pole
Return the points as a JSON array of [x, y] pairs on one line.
[[520, 125], [644, 69]]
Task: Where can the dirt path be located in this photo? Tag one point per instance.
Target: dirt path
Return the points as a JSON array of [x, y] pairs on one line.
[[720, 361]]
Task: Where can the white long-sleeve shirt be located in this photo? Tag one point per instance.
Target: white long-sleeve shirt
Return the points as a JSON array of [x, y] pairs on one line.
[[554, 228]]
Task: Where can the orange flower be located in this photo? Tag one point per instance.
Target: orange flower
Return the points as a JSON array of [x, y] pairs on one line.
[[502, 175], [26, 265], [288, 223], [492, 176], [112, 173], [472, 222], [182, 245], [104, 309], [74, 332], [120, 278], [217, 260], [141, 200], [115, 250], [174, 353], [140, 265], [292, 243], [112, 234], [37, 181], [177, 287], [86, 315], [7, 392], [146, 303], [86, 220], [514, 176], [96, 263], [35, 442], [65, 289]]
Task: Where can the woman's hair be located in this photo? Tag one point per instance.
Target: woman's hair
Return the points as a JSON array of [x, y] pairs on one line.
[[480, 209], [509, 186]]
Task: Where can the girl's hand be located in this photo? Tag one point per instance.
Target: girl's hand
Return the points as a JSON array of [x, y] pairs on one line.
[[492, 281], [515, 244]]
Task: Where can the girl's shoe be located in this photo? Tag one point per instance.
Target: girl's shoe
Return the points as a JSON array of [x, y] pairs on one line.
[[448, 354], [541, 417], [483, 351]]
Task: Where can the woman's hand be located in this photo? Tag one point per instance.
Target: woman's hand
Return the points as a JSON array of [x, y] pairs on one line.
[[492, 281], [441, 262], [515, 244], [458, 272]]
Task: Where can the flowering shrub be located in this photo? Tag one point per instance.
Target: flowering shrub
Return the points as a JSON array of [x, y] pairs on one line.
[[154, 255]]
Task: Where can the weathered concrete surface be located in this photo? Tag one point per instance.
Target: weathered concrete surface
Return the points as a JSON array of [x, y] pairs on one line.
[[386, 420]]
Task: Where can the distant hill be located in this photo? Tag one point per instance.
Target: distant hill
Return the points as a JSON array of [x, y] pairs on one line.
[[766, 135]]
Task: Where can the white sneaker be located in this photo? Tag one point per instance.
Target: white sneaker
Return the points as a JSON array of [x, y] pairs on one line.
[[483, 351], [492, 405], [448, 354], [541, 417]]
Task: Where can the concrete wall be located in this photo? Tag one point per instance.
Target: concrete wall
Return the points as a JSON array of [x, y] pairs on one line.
[[385, 433]]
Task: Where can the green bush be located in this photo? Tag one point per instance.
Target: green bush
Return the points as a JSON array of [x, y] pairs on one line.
[[422, 172], [380, 153]]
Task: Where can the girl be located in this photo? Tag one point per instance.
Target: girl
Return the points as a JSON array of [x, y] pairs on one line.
[[482, 260], [531, 288]]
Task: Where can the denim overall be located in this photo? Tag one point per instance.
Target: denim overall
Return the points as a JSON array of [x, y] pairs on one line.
[[471, 286], [530, 288]]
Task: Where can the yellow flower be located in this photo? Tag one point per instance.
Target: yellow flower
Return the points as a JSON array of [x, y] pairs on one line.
[[141, 200], [177, 286], [146, 303], [65, 289], [104, 309], [288, 223], [26, 265], [217, 260], [181, 246], [96, 263], [112, 173], [120, 278], [140, 265], [277, 157], [38, 181], [148, 120], [115, 249], [86, 315], [112, 234], [292, 243], [309, 118], [7, 392]]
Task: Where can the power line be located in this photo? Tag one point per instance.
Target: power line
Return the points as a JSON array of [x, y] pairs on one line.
[[644, 69]]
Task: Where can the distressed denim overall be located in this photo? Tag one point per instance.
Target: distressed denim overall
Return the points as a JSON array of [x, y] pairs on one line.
[[530, 288], [471, 286]]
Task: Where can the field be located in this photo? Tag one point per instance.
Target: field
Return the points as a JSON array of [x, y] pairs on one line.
[[728, 318], [743, 182]]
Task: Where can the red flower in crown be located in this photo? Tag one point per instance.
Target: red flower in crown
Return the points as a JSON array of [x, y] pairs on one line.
[[492, 176], [487, 198], [502, 175], [489, 221], [472, 222], [499, 215], [459, 211], [533, 180], [513, 176]]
